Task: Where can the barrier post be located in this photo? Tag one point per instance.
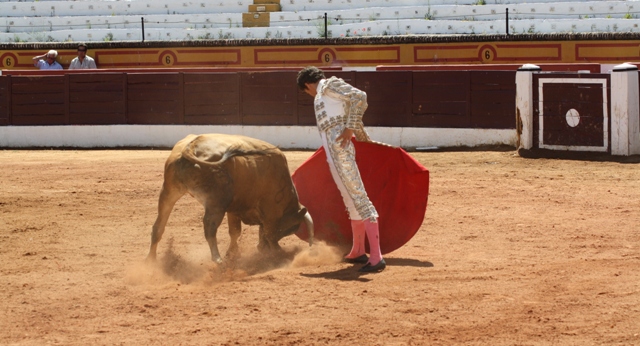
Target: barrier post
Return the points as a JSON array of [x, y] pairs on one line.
[[524, 105], [625, 110]]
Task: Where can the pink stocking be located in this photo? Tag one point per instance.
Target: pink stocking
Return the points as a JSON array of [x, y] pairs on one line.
[[358, 230], [373, 233]]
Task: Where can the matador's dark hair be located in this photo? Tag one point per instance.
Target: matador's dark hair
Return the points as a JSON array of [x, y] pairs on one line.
[[310, 74]]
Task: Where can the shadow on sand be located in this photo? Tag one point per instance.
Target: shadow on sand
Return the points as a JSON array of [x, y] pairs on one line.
[[575, 155], [352, 273]]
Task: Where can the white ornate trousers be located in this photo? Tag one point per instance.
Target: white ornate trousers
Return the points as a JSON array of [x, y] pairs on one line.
[[345, 173]]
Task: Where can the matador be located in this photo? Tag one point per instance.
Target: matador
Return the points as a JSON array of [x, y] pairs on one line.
[[339, 108]]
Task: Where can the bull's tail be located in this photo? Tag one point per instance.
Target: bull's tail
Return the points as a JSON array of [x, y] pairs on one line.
[[232, 151]]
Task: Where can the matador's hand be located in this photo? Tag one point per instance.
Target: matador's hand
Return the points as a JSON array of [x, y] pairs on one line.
[[345, 137]]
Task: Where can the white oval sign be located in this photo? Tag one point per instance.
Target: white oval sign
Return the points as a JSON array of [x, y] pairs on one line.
[[573, 117]]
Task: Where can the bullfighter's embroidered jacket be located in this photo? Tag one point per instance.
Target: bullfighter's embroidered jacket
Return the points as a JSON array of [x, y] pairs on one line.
[[339, 105]]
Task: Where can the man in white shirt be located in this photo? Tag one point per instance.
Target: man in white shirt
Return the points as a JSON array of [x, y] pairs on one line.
[[47, 61], [82, 61]]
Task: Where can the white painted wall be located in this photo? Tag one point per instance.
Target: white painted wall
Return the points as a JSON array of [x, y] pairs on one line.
[[625, 111], [286, 137], [524, 105]]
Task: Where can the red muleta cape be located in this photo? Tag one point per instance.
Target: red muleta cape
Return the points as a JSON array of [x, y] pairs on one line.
[[396, 183]]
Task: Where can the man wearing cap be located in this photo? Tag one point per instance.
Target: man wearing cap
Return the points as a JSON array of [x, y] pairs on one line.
[[47, 61], [82, 61]]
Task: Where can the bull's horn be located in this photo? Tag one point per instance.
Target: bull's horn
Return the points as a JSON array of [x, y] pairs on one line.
[[309, 222]]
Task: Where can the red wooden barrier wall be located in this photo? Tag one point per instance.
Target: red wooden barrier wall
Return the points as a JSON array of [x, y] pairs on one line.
[[463, 99], [5, 101], [212, 99]]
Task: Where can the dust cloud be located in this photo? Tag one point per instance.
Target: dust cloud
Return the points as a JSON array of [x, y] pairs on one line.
[[172, 267], [168, 268], [318, 254]]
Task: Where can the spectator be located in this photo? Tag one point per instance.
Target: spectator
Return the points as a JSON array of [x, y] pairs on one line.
[[82, 61], [47, 61]]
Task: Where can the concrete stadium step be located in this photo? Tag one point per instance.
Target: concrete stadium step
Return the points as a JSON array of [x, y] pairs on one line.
[[265, 8], [377, 28], [592, 9], [259, 14], [117, 8], [194, 21], [54, 20], [310, 5], [54, 8]]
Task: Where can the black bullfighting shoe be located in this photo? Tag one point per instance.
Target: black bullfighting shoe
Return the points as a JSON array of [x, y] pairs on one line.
[[368, 268], [360, 259]]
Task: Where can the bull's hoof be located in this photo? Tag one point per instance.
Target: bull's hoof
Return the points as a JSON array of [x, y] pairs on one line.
[[150, 258], [217, 260], [232, 256]]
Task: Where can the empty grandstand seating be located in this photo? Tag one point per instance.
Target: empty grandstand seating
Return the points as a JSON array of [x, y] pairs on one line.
[[170, 20]]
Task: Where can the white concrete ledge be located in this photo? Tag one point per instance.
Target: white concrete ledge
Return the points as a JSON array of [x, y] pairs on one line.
[[286, 137]]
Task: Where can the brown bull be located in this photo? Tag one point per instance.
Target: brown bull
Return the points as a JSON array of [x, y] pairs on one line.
[[246, 178]]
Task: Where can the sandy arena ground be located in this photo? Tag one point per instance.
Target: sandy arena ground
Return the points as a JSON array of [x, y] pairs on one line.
[[512, 251]]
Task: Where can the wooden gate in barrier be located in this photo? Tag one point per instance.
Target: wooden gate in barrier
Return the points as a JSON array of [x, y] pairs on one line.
[[572, 112]]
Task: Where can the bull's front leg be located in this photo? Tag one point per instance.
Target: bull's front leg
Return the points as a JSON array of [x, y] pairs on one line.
[[168, 198], [266, 239], [262, 240], [235, 229], [212, 218]]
